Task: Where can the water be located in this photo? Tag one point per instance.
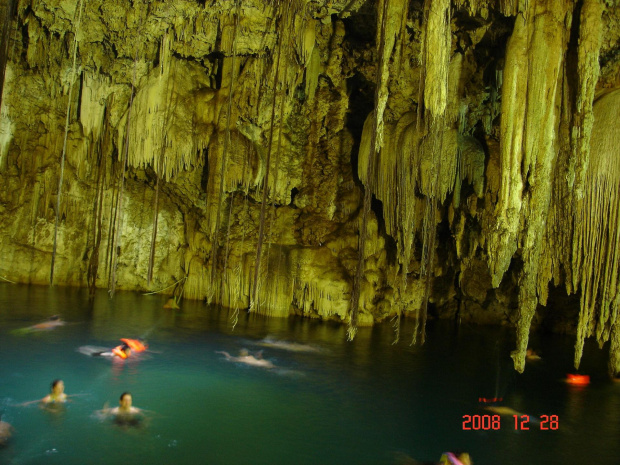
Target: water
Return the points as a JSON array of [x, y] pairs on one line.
[[366, 402]]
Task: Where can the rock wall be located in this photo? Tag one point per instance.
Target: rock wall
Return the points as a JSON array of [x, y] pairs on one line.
[[356, 160]]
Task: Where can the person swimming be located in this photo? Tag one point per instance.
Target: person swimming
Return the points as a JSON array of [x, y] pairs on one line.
[[56, 396], [57, 393], [122, 351], [246, 358], [502, 410], [510, 412], [290, 346], [531, 356], [449, 458], [6, 431], [52, 322], [125, 414]]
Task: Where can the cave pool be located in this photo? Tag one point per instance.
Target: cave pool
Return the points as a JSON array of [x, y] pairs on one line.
[[361, 402]]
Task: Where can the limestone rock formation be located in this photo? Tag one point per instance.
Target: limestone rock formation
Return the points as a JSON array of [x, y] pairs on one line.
[[357, 160]]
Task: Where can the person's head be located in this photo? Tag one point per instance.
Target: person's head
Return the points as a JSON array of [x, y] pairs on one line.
[[54, 318], [243, 353], [125, 400], [57, 386], [125, 348]]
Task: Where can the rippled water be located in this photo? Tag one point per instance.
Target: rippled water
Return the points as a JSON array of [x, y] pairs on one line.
[[366, 402]]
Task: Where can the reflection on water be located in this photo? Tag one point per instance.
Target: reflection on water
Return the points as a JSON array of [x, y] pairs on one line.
[[328, 401]]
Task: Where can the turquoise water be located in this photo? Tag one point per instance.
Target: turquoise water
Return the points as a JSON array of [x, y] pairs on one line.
[[366, 402]]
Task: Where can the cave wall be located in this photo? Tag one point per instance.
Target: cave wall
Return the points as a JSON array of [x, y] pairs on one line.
[[243, 152]]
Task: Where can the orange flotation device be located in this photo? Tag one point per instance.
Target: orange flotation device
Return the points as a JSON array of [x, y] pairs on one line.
[[135, 345], [579, 380], [119, 352]]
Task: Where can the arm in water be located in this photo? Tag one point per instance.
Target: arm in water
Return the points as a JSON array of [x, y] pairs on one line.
[[247, 359], [56, 396]]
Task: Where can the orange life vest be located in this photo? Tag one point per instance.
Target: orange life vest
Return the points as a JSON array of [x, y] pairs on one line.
[[119, 352], [578, 379], [135, 345]]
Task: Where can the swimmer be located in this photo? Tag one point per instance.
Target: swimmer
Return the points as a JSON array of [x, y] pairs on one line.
[[509, 412], [125, 406], [531, 356], [245, 357], [125, 414], [449, 458], [500, 410], [6, 431], [52, 322], [123, 351], [56, 396], [290, 346]]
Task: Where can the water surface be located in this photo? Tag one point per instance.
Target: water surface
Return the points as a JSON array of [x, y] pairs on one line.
[[365, 402]]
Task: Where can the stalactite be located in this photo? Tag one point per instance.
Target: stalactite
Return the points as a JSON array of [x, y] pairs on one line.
[[161, 116], [529, 134], [111, 228], [64, 145], [437, 44], [407, 169], [405, 199], [434, 88], [257, 269], [502, 239], [158, 166], [231, 296], [590, 35], [613, 365], [375, 144], [581, 127], [119, 203], [223, 173], [514, 7], [273, 203], [149, 273], [7, 126], [5, 35], [93, 261], [429, 227], [237, 271], [597, 231], [426, 271]]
